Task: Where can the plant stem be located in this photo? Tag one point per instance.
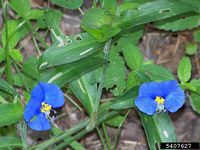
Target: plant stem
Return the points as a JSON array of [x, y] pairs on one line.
[[101, 138], [117, 135], [72, 101], [36, 46], [6, 48], [69, 132], [106, 136], [81, 11], [84, 131], [20, 76], [36, 33], [101, 83], [69, 140]]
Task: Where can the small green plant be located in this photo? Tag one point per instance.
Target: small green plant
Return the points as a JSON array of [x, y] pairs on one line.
[[103, 57]]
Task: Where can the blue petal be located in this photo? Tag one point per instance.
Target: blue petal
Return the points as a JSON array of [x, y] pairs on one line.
[[32, 109], [151, 90], [41, 123], [168, 86], [38, 93], [53, 95], [146, 105], [175, 98]]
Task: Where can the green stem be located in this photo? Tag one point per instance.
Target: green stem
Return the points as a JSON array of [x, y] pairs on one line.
[[101, 138], [74, 130], [101, 83], [36, 46], [106, 136], [117, 135], [6, 48], [36, 33], [84, 131], [69, 132], [20, 76], [81, 11], [69, 140], [72, 101]]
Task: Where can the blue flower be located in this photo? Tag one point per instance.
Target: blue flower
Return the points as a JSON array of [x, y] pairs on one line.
[[44, 97], [160, 96]]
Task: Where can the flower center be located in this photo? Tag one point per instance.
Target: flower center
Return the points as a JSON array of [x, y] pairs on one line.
[[159, 100], [45, 107]]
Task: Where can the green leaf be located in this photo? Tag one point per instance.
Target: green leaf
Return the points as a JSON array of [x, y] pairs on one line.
[[75, 145], [20, 79], [175, 24], [193, 3], [196, 83], [2, 54], [9, 142], [10, 113], [35, 14], [116, 121], [16, 55], [4, 86], [30, 67], [2, 100], [154, 11], [100, 24], [191, 48], [196, 36], [14, 33], [70, 4], [133, 56], [156, 72], [55, 23], [17, 6], [136, 78], [132, 35], [188, 86], [110, 5], [115, 74], [158, 128], [184, 69], [126, 6], [86, 89], [78, 46], [65, 73], [126, 100], [195, 102]]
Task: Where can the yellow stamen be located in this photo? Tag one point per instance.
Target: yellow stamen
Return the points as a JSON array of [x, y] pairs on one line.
[[159, 100], [45, 107]]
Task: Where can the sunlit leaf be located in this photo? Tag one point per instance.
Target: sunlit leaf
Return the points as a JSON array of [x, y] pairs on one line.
[[184, 69], [70, 4], [73, 49]]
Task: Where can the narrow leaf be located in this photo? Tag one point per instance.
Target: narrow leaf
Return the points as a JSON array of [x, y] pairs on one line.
[[77, 47], [175, 24], [66, 73], [4, 86], [70, 4], [158, 128], [154, 11], [85, 88], [8, 142]]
